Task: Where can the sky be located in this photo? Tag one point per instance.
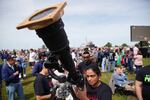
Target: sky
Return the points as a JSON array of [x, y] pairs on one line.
[[99, 21]]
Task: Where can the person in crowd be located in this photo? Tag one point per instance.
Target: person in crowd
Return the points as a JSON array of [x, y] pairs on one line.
[[1, 55], [74, 57], [20, 58], [138, 61], [94, 54], [0, 81], [130, 60], [43, 85], [105, 60], [38, 65], [86, 61], [118, 57], [100, 56], [120, 79], [111, 60], [10, 74], [135, 50], [142, 83], [5, 55], [18, 63], [24, 63], [123, 61], [32, 58], [95, 88]]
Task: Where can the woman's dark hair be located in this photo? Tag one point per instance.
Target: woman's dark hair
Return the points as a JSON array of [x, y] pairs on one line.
[[95, 69]]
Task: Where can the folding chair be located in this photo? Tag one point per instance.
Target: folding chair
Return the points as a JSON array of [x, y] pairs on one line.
[[119, 89], [115, 88]]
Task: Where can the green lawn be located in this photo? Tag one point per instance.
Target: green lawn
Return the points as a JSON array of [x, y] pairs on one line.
[[29, 91]]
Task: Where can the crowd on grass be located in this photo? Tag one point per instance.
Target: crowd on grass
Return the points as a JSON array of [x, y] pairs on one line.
[[105, 58]]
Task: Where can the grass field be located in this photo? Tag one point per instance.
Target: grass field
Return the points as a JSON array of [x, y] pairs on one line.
[[29, 91]]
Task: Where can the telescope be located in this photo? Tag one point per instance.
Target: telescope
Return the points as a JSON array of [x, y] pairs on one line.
[[50, 28]]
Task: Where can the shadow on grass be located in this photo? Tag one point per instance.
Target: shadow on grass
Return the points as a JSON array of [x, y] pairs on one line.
[[27, 82], [29, 96], [29, 79], [29, 75]]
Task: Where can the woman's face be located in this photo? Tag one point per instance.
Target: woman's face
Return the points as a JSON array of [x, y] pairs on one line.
[[91, 77]]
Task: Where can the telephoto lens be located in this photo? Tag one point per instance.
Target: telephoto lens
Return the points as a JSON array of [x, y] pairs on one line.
[[55, 38]]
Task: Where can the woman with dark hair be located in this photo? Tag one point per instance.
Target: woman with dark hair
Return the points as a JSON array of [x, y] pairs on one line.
[[95, 88]]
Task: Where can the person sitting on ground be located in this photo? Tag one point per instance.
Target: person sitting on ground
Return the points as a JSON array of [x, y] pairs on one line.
[[120, 79]]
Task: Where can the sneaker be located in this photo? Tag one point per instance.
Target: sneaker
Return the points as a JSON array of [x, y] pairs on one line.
[[19, 75]]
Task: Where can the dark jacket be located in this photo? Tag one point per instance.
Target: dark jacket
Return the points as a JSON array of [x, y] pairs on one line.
[[7, 74], [83, 65], [37, 67], [0, 73]]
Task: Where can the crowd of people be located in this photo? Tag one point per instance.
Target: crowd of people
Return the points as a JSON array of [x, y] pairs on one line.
[[90, 61]]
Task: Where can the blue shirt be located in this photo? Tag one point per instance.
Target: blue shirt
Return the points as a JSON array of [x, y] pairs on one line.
[[37, 67], [120, 79], [0, 73]]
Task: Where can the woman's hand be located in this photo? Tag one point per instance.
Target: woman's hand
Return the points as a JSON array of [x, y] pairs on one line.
[[81, 94]]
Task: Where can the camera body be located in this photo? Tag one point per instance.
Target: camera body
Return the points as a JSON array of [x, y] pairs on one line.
[[63, 90]]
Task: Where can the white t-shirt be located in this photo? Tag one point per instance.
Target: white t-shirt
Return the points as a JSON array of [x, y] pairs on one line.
[[32, 57]]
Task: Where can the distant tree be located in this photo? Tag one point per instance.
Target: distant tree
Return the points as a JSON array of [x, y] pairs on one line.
[[137, 45], [43, 46], [143, 43], [108, 44], [124, 45]]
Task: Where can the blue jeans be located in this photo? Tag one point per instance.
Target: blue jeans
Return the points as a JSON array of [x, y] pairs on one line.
[[104, 64], [111, 65], [12, 88], [0, 91], [130, 65]]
